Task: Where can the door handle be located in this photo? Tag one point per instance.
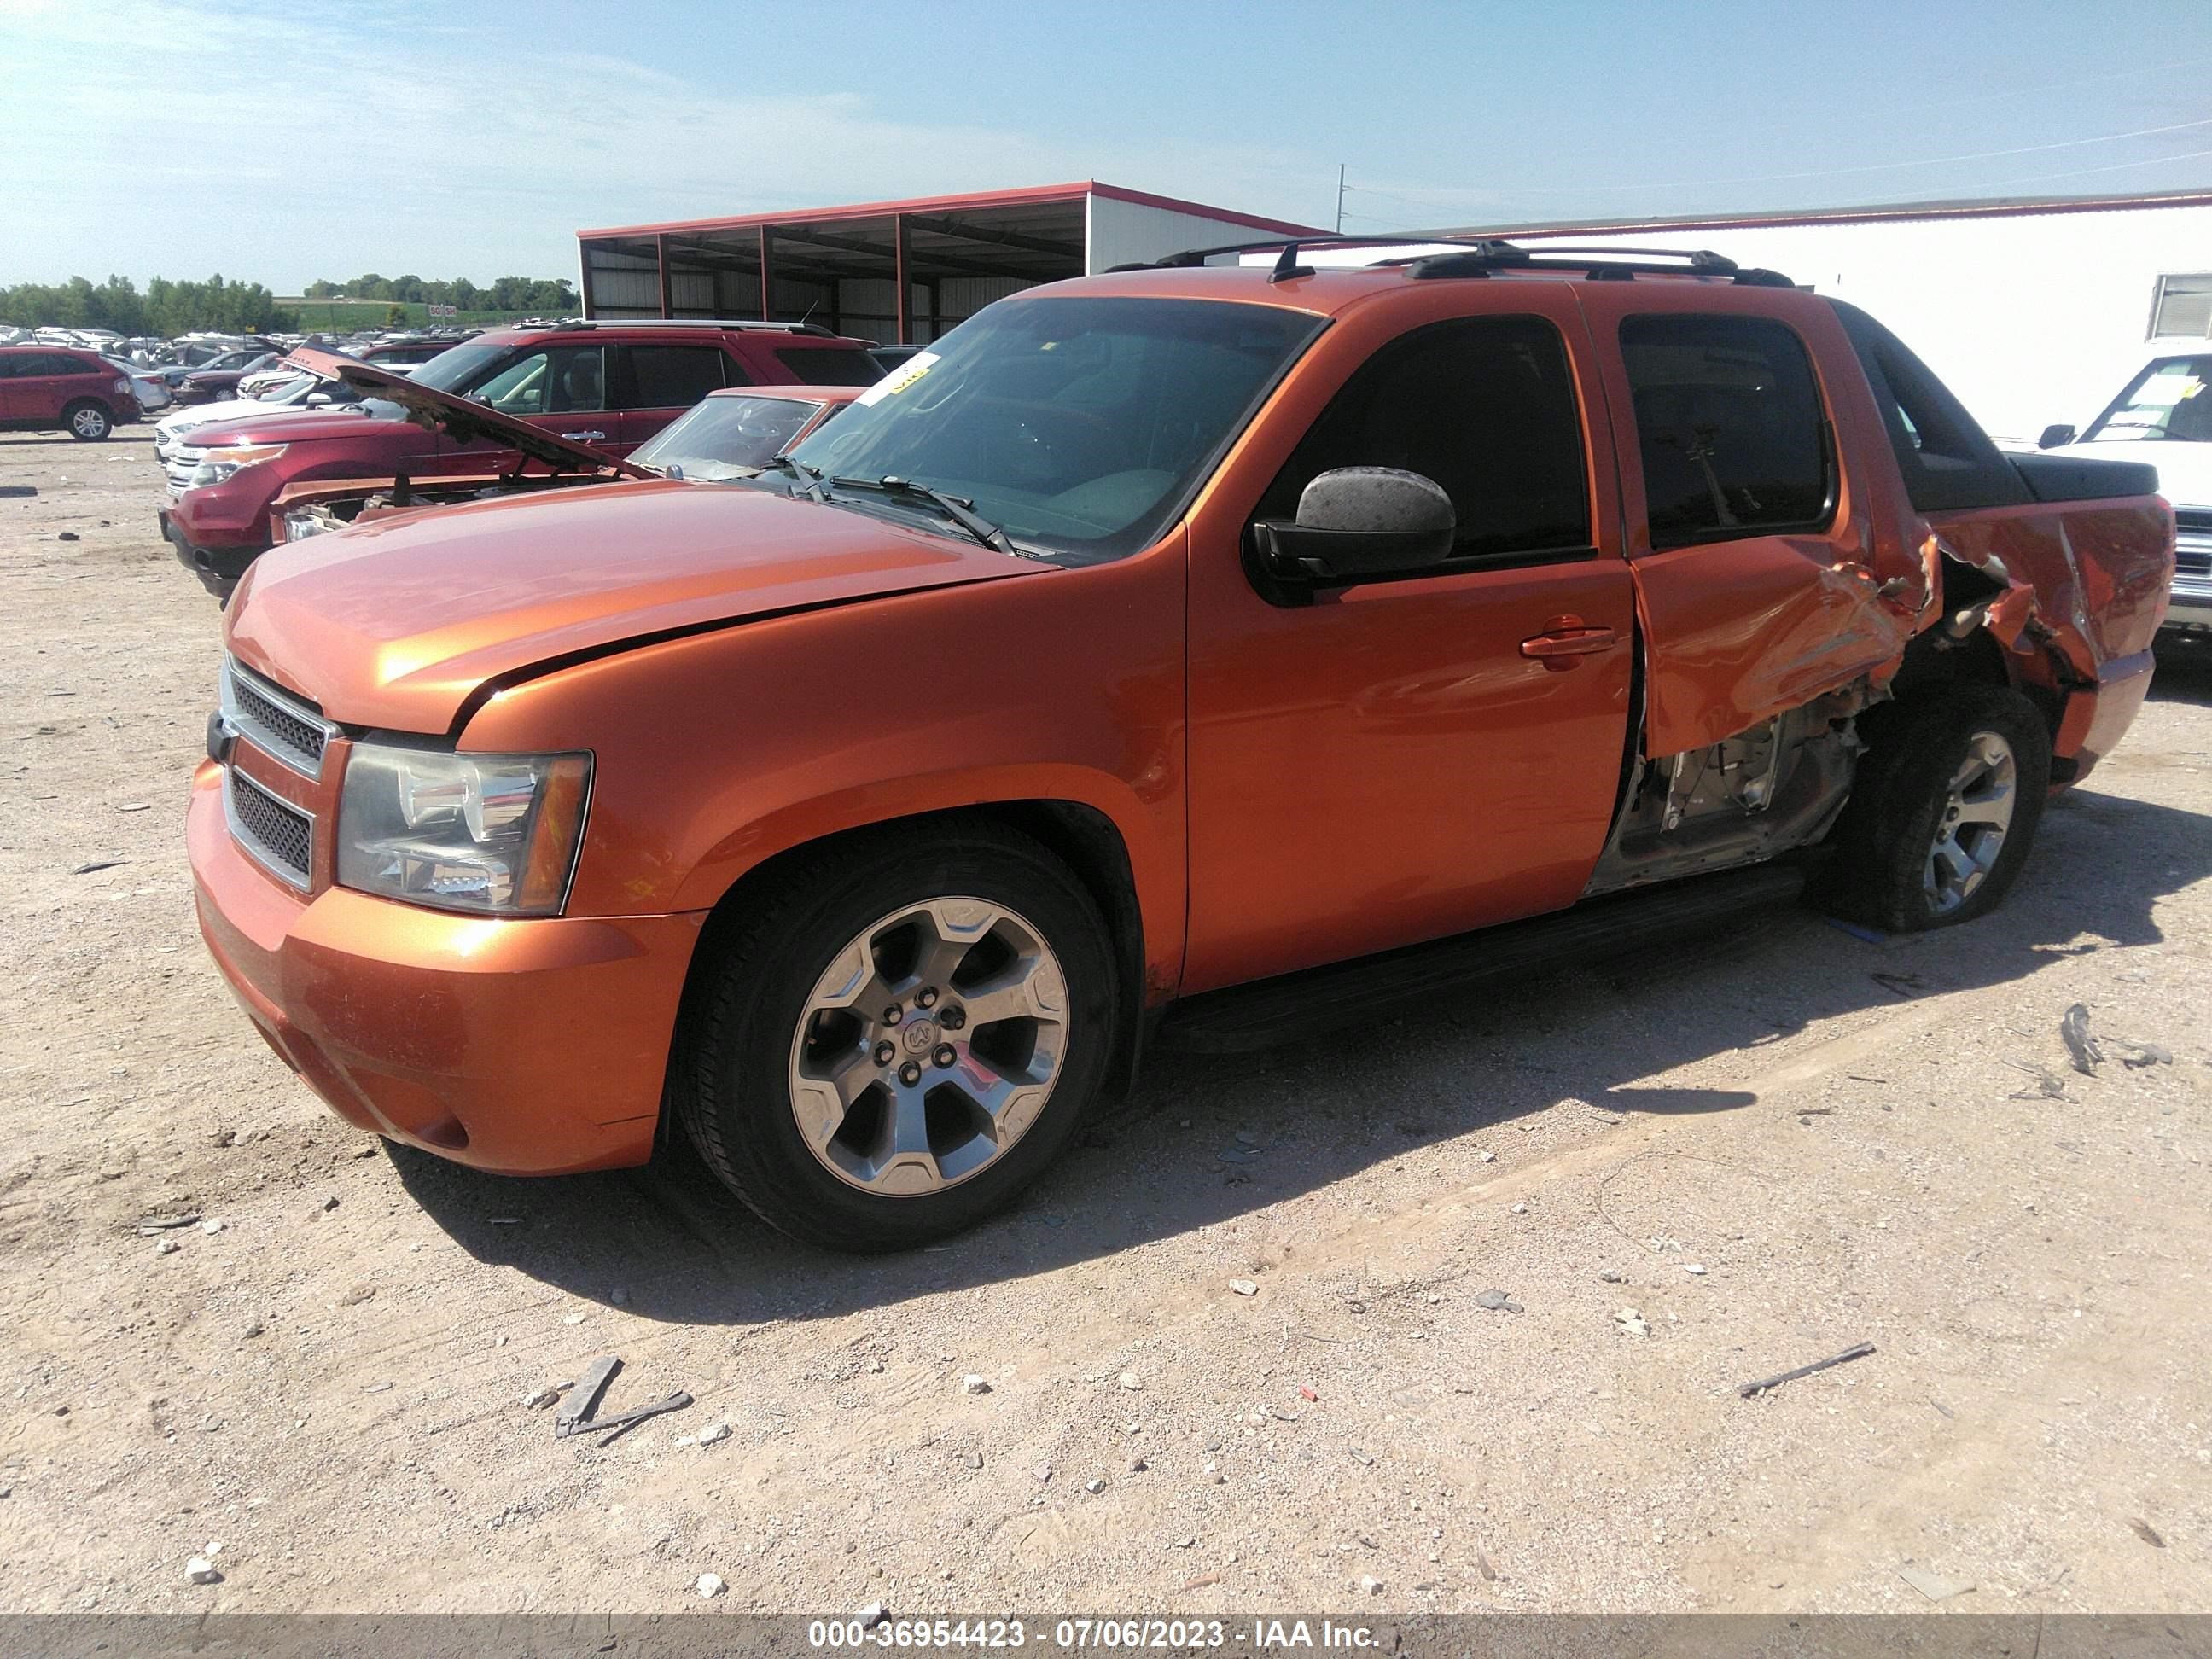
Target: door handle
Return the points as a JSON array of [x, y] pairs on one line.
[[1563, 640], [583, 437]]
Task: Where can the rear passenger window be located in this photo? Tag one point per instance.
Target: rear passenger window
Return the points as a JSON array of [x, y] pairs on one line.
[[830, 366], [1485, 406], [675, 377], [1729, 423]]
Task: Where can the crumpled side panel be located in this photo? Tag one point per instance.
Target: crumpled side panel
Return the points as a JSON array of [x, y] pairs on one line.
[[1738, 632], [2100, 575]]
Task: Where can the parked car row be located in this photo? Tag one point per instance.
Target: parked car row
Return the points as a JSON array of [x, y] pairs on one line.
[[70, 389]]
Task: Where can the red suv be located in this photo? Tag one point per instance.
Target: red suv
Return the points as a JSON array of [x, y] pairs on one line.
[[610, 386], [54, 389]]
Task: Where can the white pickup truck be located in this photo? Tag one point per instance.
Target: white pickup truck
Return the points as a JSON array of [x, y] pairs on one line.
[[2164, 415]]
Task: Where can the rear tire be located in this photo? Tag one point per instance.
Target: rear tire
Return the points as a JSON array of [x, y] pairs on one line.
[[1944, 811], [844, 1126], [87, 422]]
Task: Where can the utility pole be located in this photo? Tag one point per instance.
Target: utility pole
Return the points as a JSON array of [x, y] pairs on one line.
[[1340, 198]]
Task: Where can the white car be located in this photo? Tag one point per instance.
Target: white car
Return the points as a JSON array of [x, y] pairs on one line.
[[150, 390], [2164, 415], [304, 394]]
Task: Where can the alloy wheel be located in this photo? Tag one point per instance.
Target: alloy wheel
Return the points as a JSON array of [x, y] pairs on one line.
[[929, 1046], [89, 422], [1976, 816]]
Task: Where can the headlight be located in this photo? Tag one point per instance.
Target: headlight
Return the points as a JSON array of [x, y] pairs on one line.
[[495, 834], [222, 463]]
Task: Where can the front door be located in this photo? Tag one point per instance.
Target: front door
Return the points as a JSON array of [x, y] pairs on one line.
[[1403, 759], [563, 388]]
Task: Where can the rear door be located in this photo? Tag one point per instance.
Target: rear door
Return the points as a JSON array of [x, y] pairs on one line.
[[653, 383], [1758, 561], [10, 361], [1415, 755]]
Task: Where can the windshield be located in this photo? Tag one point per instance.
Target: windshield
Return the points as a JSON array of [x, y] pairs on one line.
[[1079, 425], [2166, 400], [724, 437], [451, 370]]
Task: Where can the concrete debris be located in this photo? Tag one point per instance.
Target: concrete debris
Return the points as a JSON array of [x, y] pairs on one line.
[[1094, 1486], [1243, 1288], [709, 1585], [1632, 1322], [1933, 1586], [974, 1382], [871, 1615], [713, 1434], [1131, 1380], [201, 1571], [1370, 1584]]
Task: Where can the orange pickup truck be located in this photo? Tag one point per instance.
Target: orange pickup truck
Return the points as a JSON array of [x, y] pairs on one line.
[[1197, 653]]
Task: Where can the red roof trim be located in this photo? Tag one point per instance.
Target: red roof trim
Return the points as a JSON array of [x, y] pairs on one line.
[[2004, 209], [974, 201]]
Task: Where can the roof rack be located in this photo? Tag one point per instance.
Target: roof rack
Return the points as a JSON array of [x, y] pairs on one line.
[[1481, 256], [754, 324]]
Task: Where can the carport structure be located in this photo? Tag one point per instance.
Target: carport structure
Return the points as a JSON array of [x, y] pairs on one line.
[[903, 271]]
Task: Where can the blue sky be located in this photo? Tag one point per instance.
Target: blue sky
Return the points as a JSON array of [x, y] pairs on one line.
[[281, 142]]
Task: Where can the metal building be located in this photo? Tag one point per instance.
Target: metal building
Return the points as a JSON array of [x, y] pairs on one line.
[[903, 271]]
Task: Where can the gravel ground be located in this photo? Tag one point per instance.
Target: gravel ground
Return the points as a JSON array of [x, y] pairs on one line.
[[1772, 1146]]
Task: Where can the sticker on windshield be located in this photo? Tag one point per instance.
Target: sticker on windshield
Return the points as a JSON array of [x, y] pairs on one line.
[[900, 378]]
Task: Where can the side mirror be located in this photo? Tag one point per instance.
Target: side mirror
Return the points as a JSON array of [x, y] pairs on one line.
[[1358, 522], [2054, 435], [317, 400]]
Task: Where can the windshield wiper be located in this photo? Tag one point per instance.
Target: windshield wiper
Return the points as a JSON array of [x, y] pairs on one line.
[[810, 479], [958, 508]]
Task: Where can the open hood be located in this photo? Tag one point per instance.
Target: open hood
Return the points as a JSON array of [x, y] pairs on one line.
[[460, 419]]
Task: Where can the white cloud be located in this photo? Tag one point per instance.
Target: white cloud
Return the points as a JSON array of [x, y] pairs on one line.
[[186, 138]]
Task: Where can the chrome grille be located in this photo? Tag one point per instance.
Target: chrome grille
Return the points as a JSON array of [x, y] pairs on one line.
[[287, 729], [278, 834], [2196, 520], [183, 462]]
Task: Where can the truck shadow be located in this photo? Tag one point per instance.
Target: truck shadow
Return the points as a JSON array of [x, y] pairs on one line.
[[1209, 1139]]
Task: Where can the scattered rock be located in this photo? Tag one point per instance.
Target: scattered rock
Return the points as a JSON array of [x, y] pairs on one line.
[[135, 806], [1632, 1322], [871, 1615], [1094, 1486], [357, 1295], [1044, 1473], [1181, 1543], [974, 1460], [70, 536], [330, 1202], [226, 1137], [2148, 1533], [571, 1319], [210, 1226], [253, 1329], [1243, 1288], [1497, 1301], [1487, 1158], [1519, 1209], [538, 1398], [709, 1585], [201, 1571], [1612, 1276], [1132, 1381], [1370, 1584], [713, 1434], [974, 1382], [1138, 1466], [1694, 1268], [166, 1247], [368, 1149]]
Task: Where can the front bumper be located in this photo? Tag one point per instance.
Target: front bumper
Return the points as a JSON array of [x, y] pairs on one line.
[[520, 1047], [219, 569], [2190, 610]]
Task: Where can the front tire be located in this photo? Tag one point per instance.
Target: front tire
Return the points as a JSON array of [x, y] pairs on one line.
[[1940, 821], [900, 1036], [87, 423]]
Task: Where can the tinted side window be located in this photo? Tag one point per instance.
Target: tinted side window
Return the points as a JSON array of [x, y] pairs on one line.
[[827, 365], [565, 379], [673, 377], [10, 365], [1483, 406], [1947, 459], [1729, 423]]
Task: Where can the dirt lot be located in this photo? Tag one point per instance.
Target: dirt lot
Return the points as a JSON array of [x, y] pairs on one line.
[[1784, 1142]]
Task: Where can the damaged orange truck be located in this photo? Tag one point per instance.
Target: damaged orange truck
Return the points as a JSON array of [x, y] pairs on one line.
[[1194, 653]]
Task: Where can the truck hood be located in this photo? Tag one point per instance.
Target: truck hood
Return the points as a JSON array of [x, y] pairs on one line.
[[462, 420], [398, 622], [2184, 470], [284, 426]]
